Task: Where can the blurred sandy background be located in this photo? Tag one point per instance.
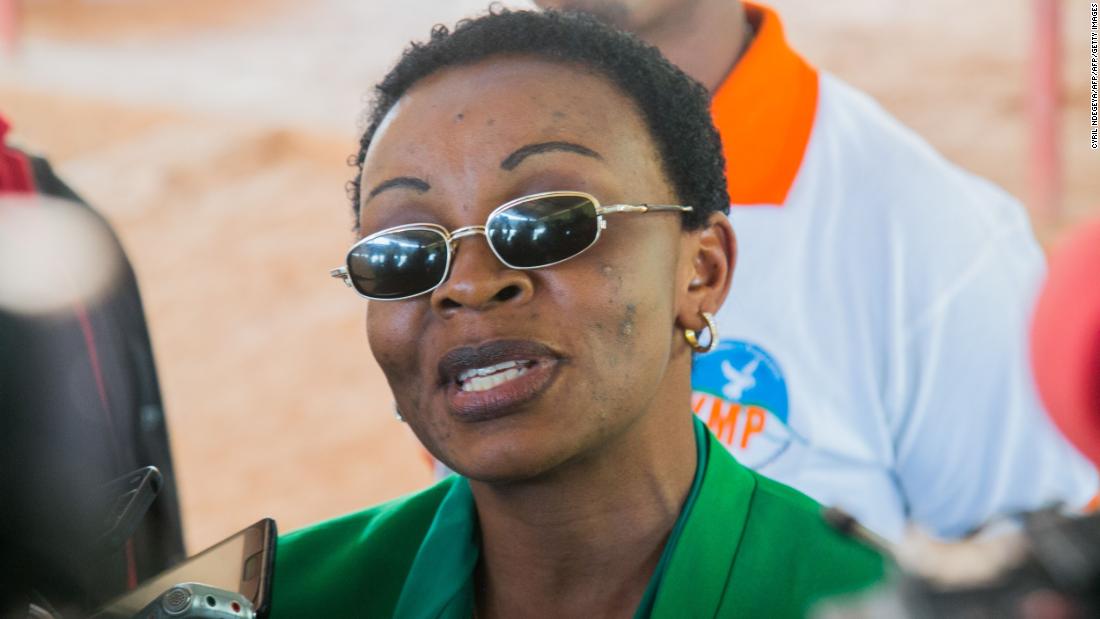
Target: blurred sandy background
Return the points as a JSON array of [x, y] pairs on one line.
[[214, 136]]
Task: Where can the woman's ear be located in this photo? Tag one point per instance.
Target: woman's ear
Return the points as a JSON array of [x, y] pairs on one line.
[[707, 262]]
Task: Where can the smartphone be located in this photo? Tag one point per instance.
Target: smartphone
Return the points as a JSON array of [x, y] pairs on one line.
[[243, 563]]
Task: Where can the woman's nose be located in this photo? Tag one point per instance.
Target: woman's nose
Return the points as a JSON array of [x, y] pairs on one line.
[[479, 280]]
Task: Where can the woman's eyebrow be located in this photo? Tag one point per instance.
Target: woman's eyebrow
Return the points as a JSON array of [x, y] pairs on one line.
[[409, 182], [513, 160]]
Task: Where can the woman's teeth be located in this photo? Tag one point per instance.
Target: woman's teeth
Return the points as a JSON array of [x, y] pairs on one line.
[[483, 379]]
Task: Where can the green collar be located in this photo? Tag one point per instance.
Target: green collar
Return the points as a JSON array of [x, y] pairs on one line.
[[686, 583]]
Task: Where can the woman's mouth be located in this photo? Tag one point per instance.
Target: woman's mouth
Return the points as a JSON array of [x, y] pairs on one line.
[[484, 379], [496, 378]]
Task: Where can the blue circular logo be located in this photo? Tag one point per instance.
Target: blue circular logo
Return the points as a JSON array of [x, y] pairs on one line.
[[740, 393]]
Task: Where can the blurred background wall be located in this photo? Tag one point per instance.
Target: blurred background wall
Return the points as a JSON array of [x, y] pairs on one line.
[[214, 136]]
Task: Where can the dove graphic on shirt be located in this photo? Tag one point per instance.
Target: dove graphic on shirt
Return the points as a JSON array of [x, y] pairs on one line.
[[739, 391], [739, 381]]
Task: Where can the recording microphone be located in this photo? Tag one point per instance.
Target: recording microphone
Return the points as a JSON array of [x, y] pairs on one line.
[[1065, 340]]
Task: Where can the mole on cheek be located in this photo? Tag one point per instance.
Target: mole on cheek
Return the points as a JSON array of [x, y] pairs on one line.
[[459, 116], [491, 122], [626, 325]]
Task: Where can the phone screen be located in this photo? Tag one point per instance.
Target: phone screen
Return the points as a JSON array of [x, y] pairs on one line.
[[240, 563]]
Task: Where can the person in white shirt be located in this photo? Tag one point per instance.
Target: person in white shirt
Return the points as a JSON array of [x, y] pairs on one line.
[[873, 350]]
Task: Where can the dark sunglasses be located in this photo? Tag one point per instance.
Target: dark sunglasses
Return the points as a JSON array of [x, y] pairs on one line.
[[531, 232]]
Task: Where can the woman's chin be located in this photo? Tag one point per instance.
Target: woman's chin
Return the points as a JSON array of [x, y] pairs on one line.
[[523, 443], [508, 466]]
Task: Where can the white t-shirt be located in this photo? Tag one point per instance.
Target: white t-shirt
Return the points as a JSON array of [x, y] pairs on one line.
[[873, 346]]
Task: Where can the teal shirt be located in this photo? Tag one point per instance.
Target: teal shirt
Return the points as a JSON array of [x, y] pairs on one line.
[[743, 546]]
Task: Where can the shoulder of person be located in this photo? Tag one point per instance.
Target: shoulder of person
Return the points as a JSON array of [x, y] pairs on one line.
[[891, 170], [792, 554], [353, 565], [903, 212], [777, 508]]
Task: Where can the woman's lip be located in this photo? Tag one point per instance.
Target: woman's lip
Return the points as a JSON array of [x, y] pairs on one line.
[[505, 398], [539, 362], [457, 360]]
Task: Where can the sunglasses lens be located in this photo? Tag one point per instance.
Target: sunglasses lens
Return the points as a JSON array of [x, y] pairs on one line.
[[542, 231], [398, 264]]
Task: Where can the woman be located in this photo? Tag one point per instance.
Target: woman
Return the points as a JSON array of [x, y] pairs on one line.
[[548, 361]]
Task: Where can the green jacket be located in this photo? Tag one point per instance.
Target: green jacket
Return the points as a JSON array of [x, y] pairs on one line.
[[743, 546]]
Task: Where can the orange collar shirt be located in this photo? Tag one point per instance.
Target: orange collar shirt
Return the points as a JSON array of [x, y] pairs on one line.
[[873, 350]]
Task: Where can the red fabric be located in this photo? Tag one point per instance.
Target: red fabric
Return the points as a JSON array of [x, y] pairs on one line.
[[1065, 340], [15, 168]]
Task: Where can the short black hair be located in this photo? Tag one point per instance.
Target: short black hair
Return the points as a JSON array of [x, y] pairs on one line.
[[675, 108]]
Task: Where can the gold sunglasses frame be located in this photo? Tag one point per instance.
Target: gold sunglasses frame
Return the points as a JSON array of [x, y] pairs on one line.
[[450, 237]]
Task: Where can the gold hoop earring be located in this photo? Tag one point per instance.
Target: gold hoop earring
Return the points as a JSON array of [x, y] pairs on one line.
[[693, 339]]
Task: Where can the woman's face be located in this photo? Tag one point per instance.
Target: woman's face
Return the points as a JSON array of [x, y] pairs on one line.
[[591, 339]]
